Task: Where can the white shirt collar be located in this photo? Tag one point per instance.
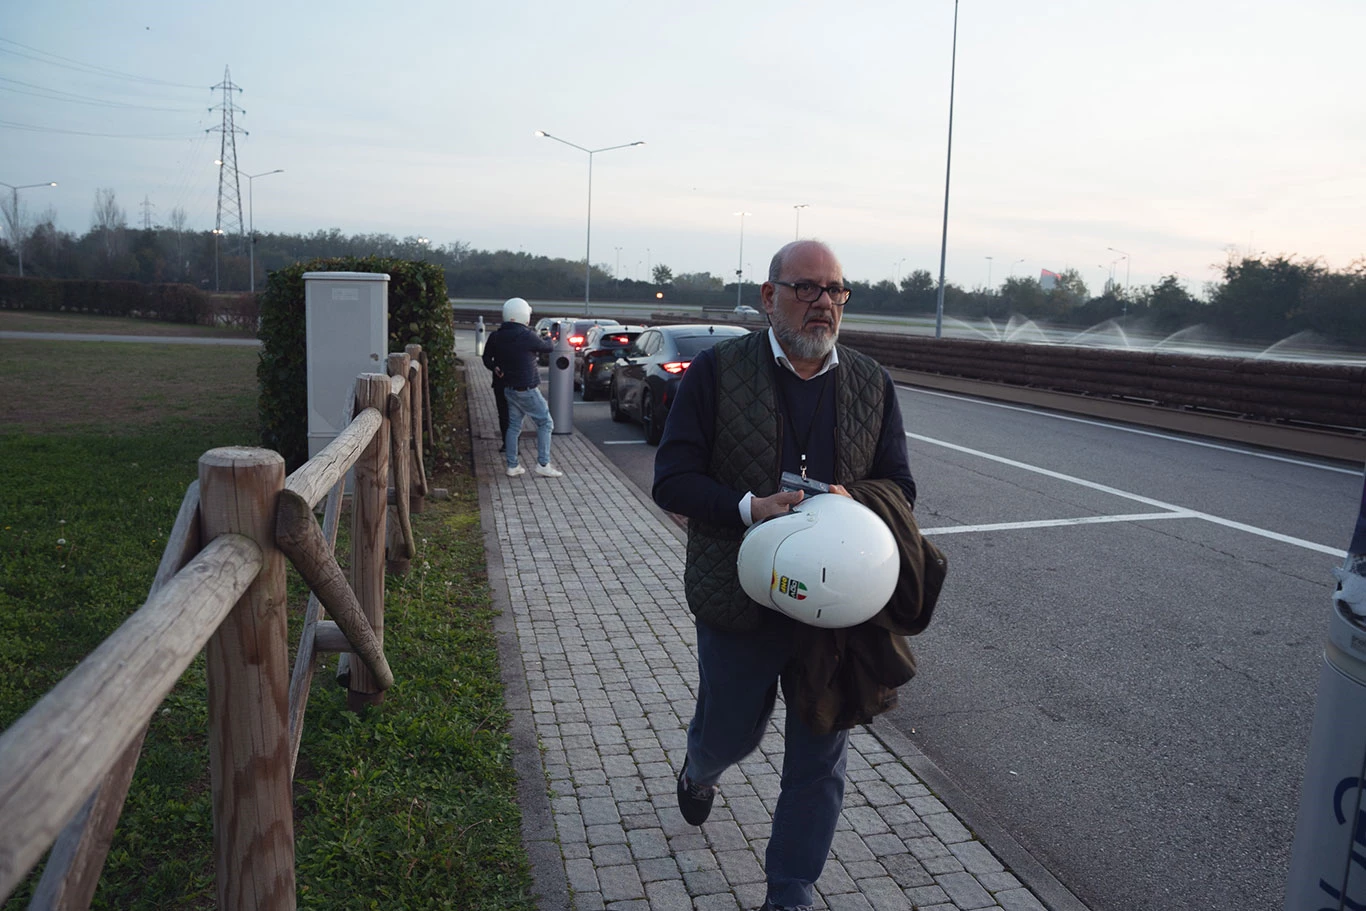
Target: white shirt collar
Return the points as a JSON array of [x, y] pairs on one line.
[[831, 360]]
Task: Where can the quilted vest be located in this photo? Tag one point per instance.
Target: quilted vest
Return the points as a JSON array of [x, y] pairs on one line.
[[746, 455]]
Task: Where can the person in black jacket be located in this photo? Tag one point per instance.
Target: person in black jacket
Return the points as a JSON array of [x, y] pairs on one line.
[[511, 354], [748, 409]]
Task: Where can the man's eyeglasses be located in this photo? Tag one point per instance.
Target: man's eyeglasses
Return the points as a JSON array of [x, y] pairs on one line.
[[810, 292]]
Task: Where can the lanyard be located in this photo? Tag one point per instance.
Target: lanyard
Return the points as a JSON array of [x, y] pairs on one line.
[[805, 439]]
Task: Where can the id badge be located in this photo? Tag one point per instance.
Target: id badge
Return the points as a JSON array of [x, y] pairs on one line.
[[809, 486]]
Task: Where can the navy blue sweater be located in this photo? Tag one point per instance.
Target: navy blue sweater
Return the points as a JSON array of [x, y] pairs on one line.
[[512, 348], [682, 484]]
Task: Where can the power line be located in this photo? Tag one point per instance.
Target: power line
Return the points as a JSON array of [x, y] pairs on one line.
[[73, 98], [9, 124], [83, 67]]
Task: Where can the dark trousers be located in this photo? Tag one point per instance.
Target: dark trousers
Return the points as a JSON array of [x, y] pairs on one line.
[[502, 401], [737, 687]]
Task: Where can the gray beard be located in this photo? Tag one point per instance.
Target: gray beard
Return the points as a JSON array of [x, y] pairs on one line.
[[805, 346]]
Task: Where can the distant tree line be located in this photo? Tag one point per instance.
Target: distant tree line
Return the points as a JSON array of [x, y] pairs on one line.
[[1257, 298]]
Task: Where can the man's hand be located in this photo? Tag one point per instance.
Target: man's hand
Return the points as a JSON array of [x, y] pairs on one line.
[[761, 508], [840, 489]]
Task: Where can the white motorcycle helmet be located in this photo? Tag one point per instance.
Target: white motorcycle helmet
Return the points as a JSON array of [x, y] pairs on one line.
[[830, 562], [516, 310]]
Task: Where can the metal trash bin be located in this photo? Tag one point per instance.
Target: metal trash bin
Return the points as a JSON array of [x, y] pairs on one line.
[[562, 383]]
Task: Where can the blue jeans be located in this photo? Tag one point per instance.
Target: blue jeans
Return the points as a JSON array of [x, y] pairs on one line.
[[738, 685], [528, 403]]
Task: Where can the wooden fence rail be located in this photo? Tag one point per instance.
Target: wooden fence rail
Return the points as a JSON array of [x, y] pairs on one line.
[[65, 766]]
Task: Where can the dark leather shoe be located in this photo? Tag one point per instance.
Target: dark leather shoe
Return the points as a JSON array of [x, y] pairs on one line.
[[694, 800]]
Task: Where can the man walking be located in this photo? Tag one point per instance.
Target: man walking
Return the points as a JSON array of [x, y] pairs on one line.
[[749, 409], [511, 354]]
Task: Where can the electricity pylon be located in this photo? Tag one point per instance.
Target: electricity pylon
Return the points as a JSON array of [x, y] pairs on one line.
[[229, 218]]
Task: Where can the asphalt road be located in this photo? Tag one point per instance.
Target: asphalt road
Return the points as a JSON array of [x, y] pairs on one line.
[[1122, 668]]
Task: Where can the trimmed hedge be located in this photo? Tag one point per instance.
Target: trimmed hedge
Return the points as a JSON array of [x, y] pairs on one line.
[[171, 303], [419, 313]]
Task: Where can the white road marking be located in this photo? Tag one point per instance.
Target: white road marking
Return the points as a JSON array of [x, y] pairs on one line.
[[1055, 523], [1147, 433], [1149, 501]]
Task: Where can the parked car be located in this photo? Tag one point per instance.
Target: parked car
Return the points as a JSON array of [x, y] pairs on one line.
[[744, 311], [549, 327], [578, 332], [646, 379], [595, 361]]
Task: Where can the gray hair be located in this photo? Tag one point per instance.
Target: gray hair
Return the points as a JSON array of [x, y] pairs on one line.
[[775, 265]]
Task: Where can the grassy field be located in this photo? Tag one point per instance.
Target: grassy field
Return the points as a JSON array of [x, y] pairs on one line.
[[411, 805], [30, 321]]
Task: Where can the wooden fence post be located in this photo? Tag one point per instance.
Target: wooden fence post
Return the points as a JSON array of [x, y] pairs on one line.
[[420, 404], [248, 673], [369, 504], [400, 467]]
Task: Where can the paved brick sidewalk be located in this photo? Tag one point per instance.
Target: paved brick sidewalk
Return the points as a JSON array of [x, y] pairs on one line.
[[599, 661]]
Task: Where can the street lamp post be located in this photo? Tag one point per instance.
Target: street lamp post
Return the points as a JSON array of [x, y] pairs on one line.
[[898, 265], [217, 234], [1013, 265], [617, 273], [251, 221], [948, 163], [588, 241], [796, 235], [740, 264], [988, 273], [16, 227], [1126, 278]]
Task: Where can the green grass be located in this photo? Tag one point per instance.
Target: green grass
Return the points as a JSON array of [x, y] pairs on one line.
[[412, 805]]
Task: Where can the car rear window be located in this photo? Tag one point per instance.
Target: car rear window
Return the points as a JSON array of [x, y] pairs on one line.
[[690, 345]]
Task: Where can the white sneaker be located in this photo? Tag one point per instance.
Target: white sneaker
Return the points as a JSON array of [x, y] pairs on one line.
[[516, 472], [549, 471]]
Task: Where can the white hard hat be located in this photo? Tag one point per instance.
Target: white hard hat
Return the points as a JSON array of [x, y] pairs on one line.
[[830, 562], [516, 310]]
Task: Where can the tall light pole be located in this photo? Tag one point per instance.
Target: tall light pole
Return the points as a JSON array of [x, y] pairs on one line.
[[588, 241], [1126, 279], [217, 235], [988, 259], [1013, 265], [948, 163], [740, 265], [16, 227], [796, 235], [1126, 266], [898, 265], [251, 218], [617, 273]]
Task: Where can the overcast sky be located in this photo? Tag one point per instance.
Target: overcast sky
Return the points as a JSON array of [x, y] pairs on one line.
[[1174, 130]]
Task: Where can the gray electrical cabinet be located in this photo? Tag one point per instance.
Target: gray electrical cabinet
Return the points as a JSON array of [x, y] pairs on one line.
[[346, 330]]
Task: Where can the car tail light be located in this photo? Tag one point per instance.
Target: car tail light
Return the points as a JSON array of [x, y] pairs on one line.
[[675, 367], [621, 340], [576, 341]]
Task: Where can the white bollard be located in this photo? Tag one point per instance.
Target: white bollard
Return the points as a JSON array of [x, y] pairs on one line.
[[479, 337]]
